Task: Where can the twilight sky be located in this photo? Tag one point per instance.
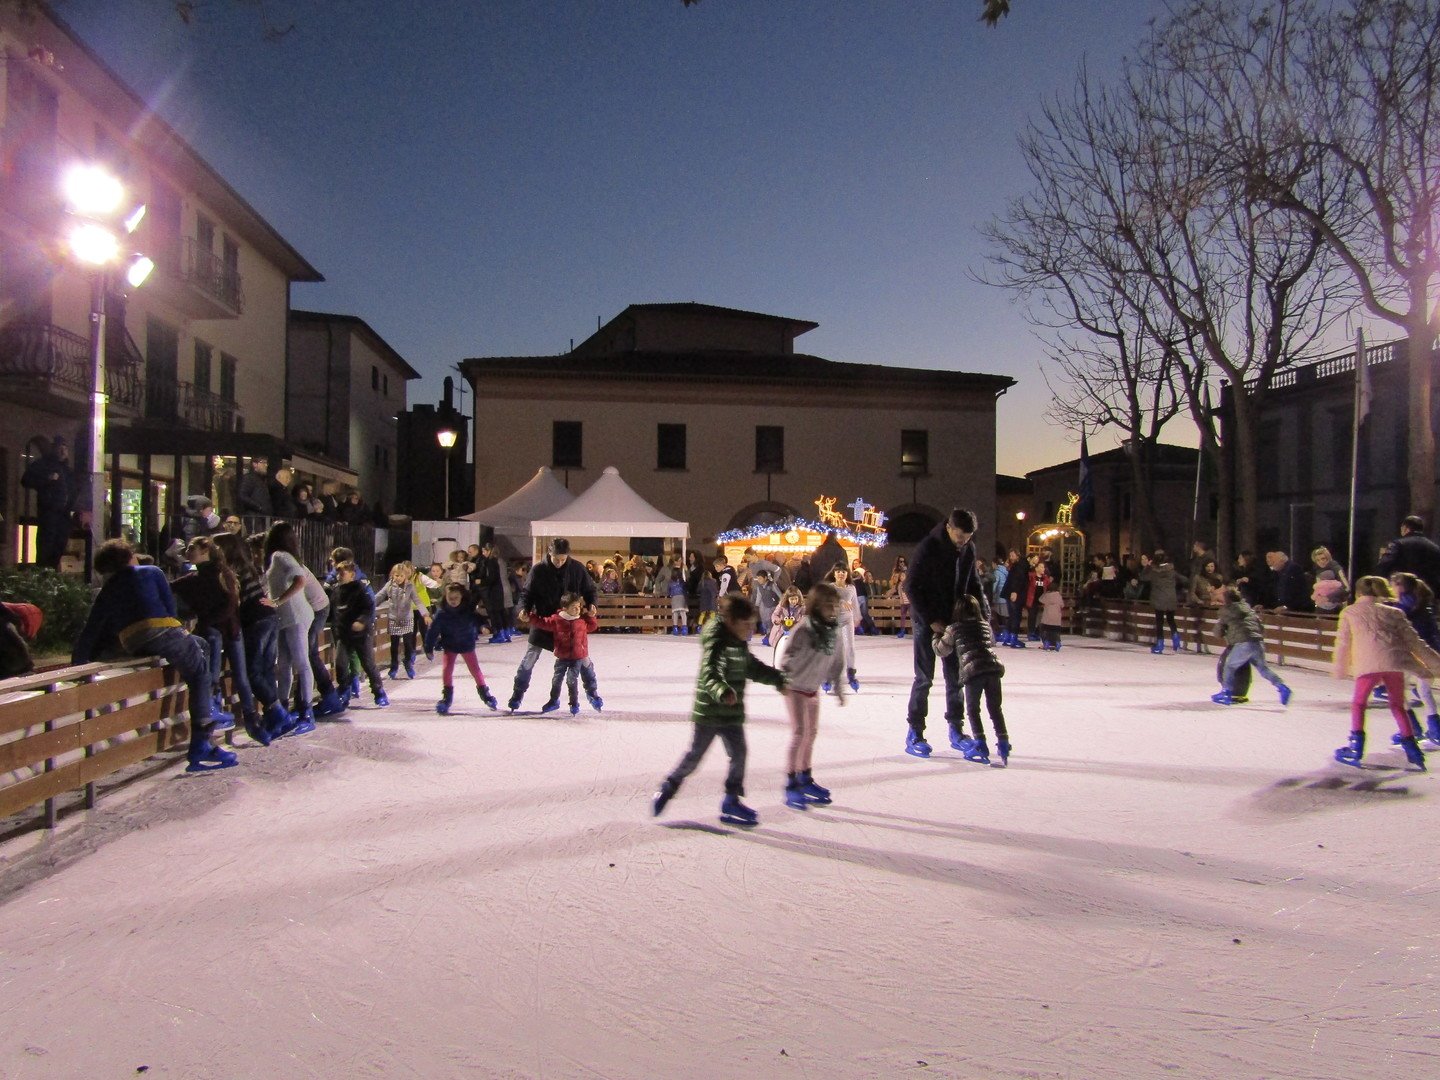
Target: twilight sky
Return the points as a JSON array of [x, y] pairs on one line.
[[482, 177]]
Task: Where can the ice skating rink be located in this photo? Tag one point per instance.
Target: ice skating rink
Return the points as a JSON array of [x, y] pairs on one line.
[[1156, 887]]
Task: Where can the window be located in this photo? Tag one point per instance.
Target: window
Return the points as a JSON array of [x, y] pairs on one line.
[[228, 364], [914, 453], [769, 449], [566, 445], [203, 354], [204, 234], [670, 446], [385, 385]]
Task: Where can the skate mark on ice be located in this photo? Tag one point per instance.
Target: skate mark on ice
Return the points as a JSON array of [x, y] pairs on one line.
[[1313, 794], [697, 826]]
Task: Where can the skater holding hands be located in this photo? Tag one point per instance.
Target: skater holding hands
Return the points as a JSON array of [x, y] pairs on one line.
[[572, 626], [719, 710], [970, 638], [1375, 645], [456, 629], [815, 658]]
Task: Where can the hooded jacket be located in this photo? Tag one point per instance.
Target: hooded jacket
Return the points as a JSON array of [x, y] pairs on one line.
[[571, 633], [726, 664], [939, 574]]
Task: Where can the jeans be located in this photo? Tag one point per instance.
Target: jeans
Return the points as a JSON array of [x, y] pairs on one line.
[[262, 642], [733, 736], [1247, 652], [989, 687], [522, 673], [357, 646], [189, 655], [318, 671], [234, 649], [568, 670], [924, 649]]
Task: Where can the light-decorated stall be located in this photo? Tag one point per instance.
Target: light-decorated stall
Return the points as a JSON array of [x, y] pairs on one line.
[[797, 537], [1066, 544]]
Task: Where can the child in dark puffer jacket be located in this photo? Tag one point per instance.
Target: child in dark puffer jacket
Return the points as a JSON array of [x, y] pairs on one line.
[[455, 629], [969, 635]]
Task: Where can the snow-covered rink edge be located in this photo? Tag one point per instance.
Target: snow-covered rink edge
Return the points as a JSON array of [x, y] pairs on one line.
[[1156, 886]]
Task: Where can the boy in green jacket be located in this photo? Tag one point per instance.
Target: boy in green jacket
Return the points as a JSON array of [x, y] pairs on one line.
[[725, 666]]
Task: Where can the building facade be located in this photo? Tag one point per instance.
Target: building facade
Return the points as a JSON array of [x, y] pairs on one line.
[[711, 416], [195, 358], [344, 394], [427, 467]]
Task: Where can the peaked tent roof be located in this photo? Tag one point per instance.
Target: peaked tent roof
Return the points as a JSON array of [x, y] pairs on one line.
[[609, 507], [540, 496]]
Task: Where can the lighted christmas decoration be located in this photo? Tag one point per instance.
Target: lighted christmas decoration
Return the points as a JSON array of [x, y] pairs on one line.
[[1066, 544], [801, 534]]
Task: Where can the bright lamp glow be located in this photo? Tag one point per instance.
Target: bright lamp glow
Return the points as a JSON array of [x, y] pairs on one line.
[[94, 244], [139, 270], [447, 437], [89, 189], [1019, 515], [136, 216]]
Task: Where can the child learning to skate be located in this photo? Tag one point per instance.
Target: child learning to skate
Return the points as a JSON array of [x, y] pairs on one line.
[[455, 629], [679, 602], [969, 634], [786, 615], [1375, 645], [572, 626], [1052, 616], [813, 659], [1244, 647], [719, 710], [403, 596], [352, 618]]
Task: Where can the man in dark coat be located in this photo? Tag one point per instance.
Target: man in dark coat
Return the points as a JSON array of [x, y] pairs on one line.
[[549, 580], [1288, 587], [254, 495], [826, 557], [53, 481], [1413, 553], [941, 570]]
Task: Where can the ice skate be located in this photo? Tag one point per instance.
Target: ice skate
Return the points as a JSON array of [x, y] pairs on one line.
[[304, 723], [663, 796], [222, 721], [975, 750], [447, 698], [1175, 642], [486, 696], [1285, 693], [813, 791], [410, 669], [1432, 728], [1002, 751], [550, 706], [382, 700], [1224, 697], [853, 681], [354, 690], [394, 671], [957, 738], [1352, 753], [278, 722], [1415, 732], [330, 704], [574, 708], [1413, 754], [596, 701], [794, 797], [514, 703], [735, 812], [915, 744], [255, 728], [207, 757], [1158, 648]]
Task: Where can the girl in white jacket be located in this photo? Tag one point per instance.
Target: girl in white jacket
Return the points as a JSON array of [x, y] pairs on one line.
[[815, 658], [1375, 644]]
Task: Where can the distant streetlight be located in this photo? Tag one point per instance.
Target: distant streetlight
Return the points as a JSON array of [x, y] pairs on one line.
[[446, 437], [1019, 515], [94, 197]]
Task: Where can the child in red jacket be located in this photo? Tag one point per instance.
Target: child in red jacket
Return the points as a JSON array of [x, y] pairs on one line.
[[572, 626]]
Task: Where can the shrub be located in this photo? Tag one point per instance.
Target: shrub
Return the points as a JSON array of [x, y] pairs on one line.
[[65, 601]]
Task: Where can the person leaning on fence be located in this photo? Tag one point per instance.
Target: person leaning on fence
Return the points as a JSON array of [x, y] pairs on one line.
[[1375, 645], [1244, 648], [135, 613]]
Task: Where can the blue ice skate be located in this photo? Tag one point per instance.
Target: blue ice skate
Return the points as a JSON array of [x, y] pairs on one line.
[[1158, 648], [735, 812], [915, 744], [210, 758], [447, 698], [794, 797], [486, 696], [663, 796], [957, 738], [550, 706], [975, 750], [813, 791], [1002, 751], [1351, 753], [1413, 754], [1175, 642], [596, 701], [1432, 728]]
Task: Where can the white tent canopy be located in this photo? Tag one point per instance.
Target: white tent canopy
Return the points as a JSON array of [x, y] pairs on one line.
[[540, 496], [609, 507]]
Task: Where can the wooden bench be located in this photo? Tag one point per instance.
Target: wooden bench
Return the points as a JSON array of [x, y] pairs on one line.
[[68, 728], [1290, 637]]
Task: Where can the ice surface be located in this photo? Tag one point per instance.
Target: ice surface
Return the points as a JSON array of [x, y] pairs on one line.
[[1157, 886]]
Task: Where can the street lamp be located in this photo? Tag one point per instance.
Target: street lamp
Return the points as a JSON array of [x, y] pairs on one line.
[[446, 437], [94, 198]]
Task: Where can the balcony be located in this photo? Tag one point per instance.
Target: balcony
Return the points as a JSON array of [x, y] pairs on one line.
[[48, 368], [195, 280], [168, 401]]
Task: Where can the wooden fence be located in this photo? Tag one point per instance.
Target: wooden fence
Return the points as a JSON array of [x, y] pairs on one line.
[[1290, 638], [68, 728]]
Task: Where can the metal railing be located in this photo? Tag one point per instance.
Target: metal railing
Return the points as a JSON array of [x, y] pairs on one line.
[[52, 354], [1340, 364], [209, 273], [185, 403]]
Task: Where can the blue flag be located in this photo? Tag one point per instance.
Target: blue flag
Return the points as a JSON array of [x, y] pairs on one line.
[[1085, 508]]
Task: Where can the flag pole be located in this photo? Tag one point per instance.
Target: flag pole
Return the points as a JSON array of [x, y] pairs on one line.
[[1199, 467], [1359, 418]]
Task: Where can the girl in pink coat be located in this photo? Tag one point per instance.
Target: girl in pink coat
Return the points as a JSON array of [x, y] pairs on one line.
[[1375, 644]]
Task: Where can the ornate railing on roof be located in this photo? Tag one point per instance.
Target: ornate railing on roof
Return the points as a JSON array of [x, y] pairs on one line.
[[1340, 364]]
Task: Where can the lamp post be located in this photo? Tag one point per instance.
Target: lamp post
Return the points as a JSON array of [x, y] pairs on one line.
[[94, 198], [446, 437]]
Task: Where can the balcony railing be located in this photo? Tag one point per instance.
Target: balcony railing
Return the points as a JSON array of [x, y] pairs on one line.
[[61, 359], [208, 273], [175, 402]]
